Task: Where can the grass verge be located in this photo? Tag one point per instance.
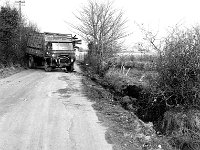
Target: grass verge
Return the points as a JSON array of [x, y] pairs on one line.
[[8, 71]]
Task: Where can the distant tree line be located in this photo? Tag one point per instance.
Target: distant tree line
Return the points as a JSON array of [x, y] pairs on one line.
[[13, 36]]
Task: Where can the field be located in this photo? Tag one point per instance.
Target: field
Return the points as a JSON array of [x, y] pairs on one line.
[[138, 68]]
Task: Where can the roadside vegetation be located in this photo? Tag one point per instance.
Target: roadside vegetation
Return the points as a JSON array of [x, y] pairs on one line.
[[162, 89], [13, 37]]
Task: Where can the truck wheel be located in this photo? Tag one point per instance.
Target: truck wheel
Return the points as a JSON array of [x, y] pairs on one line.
[[31, 62], [47, 68], [70, 68]]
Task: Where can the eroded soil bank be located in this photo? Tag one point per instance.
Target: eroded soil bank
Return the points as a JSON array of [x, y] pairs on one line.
[[125, 130]]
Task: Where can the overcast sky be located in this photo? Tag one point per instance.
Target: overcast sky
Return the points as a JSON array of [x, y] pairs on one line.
[[155, 15]]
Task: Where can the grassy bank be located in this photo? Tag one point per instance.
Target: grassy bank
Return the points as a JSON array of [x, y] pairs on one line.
[[8, 71], [125, 130], [118, 101]]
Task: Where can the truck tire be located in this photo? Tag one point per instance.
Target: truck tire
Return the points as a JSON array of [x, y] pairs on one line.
[[70, 68], [47, 68], [31, 63]]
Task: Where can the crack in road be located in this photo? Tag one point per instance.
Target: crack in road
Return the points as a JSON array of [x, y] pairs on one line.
[[71, 134]]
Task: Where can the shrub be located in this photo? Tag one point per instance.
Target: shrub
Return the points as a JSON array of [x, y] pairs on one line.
[[182, 126], [12, 29], [129, 64], [177, 88], [139, 65], [117, 80], [178, 69]]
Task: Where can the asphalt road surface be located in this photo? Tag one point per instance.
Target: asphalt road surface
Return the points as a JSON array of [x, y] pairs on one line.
[[48, 111]]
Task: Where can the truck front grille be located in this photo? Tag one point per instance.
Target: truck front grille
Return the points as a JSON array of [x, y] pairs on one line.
[[63, 60]]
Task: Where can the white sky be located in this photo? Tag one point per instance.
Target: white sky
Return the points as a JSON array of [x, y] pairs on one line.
[[156, 15]]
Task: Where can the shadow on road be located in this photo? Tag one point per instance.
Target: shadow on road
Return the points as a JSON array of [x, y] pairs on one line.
[[53, 70]]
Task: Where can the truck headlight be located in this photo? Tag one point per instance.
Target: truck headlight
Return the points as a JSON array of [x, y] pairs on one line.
[[53, 55]]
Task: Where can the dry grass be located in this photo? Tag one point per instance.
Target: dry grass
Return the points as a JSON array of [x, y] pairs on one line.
[[8, 71], [182, 126]]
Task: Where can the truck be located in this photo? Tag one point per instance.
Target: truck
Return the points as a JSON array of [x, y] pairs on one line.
[[51, 50]]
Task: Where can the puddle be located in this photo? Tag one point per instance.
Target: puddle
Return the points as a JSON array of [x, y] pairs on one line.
[[67, 90], [66, 96], [63, 78], [69, 104], [70, 88]]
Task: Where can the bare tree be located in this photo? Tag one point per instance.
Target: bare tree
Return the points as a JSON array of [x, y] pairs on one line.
[[102, 25]]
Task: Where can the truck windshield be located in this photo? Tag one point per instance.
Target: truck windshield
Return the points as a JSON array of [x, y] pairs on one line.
[[62, 46]]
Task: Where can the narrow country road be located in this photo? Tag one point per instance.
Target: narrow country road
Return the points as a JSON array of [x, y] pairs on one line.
[[48, 111]]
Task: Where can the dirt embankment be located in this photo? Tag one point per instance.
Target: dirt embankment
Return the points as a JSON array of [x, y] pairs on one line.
[[8, 71], [126, 131]]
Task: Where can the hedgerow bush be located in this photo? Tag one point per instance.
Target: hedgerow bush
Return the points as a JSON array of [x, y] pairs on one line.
[[177, 88], [178, 69], [13, 36]]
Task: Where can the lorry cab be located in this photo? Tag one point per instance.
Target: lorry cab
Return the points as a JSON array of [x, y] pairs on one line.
[[59, 54]]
